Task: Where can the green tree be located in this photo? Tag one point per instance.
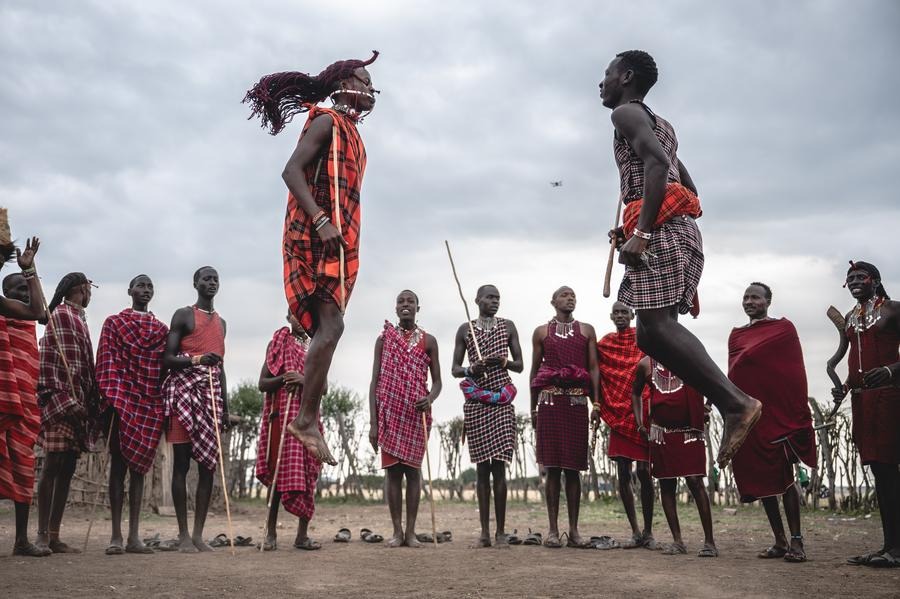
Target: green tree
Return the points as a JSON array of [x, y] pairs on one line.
[[245, 403], [341, 411]]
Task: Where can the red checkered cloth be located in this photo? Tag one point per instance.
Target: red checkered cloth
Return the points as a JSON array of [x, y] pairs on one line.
[[678, 201], [307, 272], [402, 381], [186, 395], [617, 357], [299, 470], [68, 330], [129, 368], [19, 434], [631, 167], [492, 343]]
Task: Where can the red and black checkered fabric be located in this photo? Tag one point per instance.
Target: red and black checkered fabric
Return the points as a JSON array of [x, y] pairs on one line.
[[492, 343], [490, 431], [402, 381], [631, 167], [562, 434], [187, 397], [617, 357], [129, 368]]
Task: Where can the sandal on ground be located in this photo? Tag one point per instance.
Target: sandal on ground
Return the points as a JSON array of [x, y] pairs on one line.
[[576, 545], [370, 537], [533, 538], [884, 560], [425, 537], [169, 545], [865, 558], [675, 549], [308, 545], [343, 536], [772, 552], [57, 546], [448, 536], [652, 544], [113, 549], [553, 541], [604, 542], [152, 542], [240, 541], [220, 540], [635, 542], [513, 539], [796, 556], [141, 549], [29, 549], [268, 545], [708, 551]]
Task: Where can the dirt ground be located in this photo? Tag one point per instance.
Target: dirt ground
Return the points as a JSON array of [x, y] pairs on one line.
[[452, 569]]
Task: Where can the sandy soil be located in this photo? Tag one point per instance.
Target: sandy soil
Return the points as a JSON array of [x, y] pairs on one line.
[[452, 569]]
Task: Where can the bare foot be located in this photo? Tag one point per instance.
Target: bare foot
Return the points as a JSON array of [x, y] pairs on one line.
[[394, 542], [200, 544], [501, 540], [29, 549], [483, 541], [186, 545], [412, 541], [57, 546], [312, 440], [137, 546], [737, 426]]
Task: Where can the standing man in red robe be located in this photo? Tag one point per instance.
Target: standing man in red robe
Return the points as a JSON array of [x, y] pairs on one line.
[[765, 360], [321, 231]]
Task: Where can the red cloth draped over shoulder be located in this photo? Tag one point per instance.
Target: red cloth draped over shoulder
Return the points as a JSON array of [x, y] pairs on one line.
[[307, 270], [678, 201], [617, 357], [11, 409]]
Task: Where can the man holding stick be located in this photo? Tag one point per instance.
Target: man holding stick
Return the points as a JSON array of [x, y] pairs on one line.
[[661, 245], [285, 466], [195, 347], [490, 418], [322, 225], [398, 399]]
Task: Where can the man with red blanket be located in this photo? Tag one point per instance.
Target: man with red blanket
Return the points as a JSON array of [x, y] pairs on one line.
[[322, 225], [398, 396], [873, 332], [766, 361], [129, 373], [71, 408], [20, 416], [564, 377], [661, 245], [617, 357], [281, 379]]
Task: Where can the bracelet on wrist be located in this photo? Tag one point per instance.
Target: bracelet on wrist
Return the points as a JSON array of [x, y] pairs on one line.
[[315, 217], [641, 234], [321, 222]]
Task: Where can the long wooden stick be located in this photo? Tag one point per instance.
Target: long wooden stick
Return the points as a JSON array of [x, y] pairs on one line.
[[221, 459], [430, 485], [463, 298], [337, 213], [612, 251], [284, 421]]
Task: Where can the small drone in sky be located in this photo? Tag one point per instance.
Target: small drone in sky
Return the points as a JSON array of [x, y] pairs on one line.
[[555, 183]]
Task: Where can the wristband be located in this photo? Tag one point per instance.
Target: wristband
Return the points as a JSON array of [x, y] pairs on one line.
[[890, 372], [323, 220], [641, 234], [28, 272]]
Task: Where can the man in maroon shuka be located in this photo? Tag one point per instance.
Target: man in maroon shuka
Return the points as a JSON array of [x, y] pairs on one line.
[[564, 378], [766, 361], [398, 395], [677, 446], [129, 374], [661, 245], [873, 329]]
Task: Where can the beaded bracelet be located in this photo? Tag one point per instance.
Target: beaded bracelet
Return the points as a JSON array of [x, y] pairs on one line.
[[28, 272], [642, 235], [322, 222]]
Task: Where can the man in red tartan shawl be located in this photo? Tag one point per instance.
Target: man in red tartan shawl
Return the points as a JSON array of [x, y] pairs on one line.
[[71, 408], [20, 416], [398, 396], [195, 350], [564, 377], [129, 373], [617, 357], [281, 379], [321, 231], [661, 245]]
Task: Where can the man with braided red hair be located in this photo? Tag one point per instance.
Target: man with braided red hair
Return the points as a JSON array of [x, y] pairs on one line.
[[322, 224]]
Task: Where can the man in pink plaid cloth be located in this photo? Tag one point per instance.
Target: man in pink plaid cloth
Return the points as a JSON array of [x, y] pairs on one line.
[[129, 373], [298, 469], [398, 395]]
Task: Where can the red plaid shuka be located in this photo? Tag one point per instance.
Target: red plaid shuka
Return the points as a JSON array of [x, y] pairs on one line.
[[68, 330], [307, 271], [617, 357], [402, 381], [299, 470], [678, 201], [186, 395], [129, 369], [20, 422]]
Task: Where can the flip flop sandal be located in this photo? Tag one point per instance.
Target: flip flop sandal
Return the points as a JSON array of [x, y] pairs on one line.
[[220, 540], [675, 549], [533, 538], [884, 560], [772, 552], [152, 542], [635, 542], [604, 542], [513, 539], [31, 550], [370, 537], [795, 557], [343, 536], [864, 559], [141, 550], [448, 536], [708, 552], [553, 542], [308, 545], [652, 544], [168, 545], [240, 541], [114, 550], [576, 545]]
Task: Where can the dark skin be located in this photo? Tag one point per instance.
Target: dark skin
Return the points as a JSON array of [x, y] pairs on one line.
[[59, 466], [406, 308], [327, 318], [18, 305], [488, 302], [140, 292], [622, 316], [668, 487], [563, 304], [207, 286], [887, 477], [292, 381], [658, 332]]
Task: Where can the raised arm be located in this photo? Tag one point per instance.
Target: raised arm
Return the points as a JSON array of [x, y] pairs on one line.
[[34, 309], [431, 348], [373, 399], [641, 376]]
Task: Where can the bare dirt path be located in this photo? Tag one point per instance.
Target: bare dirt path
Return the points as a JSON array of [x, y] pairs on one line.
[[453, 570]]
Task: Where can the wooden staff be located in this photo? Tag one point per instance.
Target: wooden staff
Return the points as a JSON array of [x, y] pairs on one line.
[[221, 459], [284, 421], [612, 250], [463, 298], [337, 213], [430, 485]]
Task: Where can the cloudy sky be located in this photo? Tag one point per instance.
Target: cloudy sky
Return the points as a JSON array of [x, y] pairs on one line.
[[124, 146]]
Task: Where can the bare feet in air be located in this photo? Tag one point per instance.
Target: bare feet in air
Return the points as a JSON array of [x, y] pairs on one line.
[[312, 440], [737, 426], [412, 541]]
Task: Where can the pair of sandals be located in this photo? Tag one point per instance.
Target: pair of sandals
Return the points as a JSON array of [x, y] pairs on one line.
[[789, 555], [116, 549], [344, 535], [444, 536], [681, 549], [639, 540], [532, 538], [876, 559], [221, 540]]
